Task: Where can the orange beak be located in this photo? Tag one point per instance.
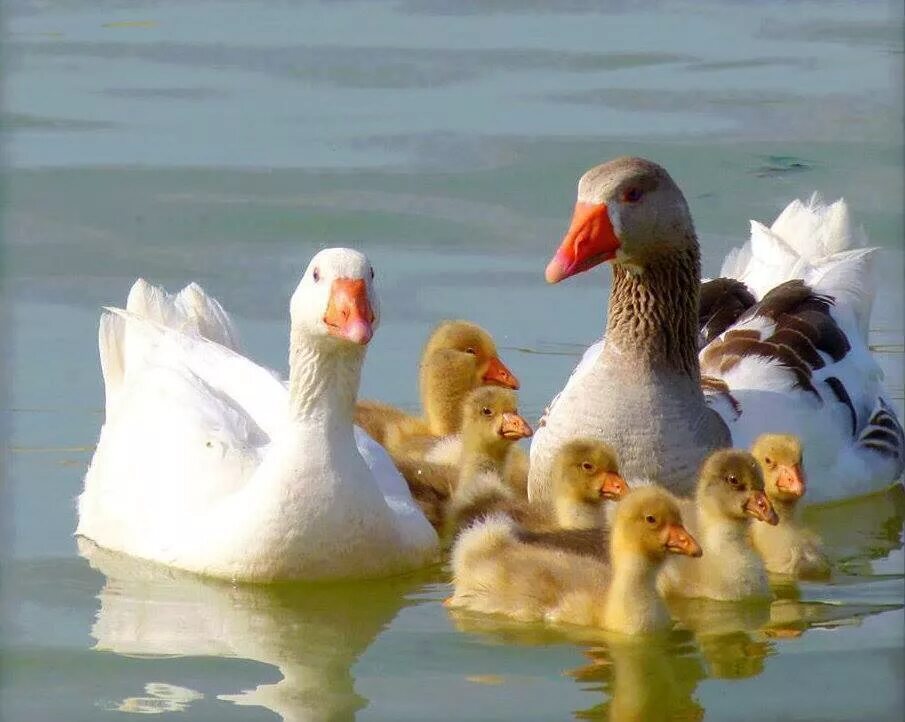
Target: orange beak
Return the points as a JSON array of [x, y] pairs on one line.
[[759, 506], [679, 541], [514, 427], [349, 315], [590, 241], [612, 486], [498, 375], [791, 480]]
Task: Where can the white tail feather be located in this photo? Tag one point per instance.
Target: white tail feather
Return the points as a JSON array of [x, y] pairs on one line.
[[849, 279], [190, 311], [211, 321], [816, 231], [110, 339], [813, 241]]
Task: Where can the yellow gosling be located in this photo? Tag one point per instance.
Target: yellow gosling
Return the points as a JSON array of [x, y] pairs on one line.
[[729, 493], [496, 573], [789, 547]]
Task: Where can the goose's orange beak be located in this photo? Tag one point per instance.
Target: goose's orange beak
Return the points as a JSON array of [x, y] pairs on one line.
[[790, 480], [589, 241], [514, 427], [498, 375], [349, 315], [612, 486], [679, 541], [759, 506]]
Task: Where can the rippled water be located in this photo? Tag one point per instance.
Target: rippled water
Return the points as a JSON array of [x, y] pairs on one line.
[[225, 142]]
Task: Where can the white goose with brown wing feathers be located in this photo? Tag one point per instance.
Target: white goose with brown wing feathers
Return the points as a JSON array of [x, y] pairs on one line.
[[788, 347]]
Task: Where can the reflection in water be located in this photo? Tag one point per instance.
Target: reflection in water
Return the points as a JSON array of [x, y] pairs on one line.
[[723, 631], [161, 698], [858, 530], [645, 679], [312, 634], [655, 678]]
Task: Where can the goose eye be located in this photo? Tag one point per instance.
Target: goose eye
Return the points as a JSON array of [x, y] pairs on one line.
[[650, 519], [471, 350], [372, 273], [732, 479], [587, 466], [316, 275], [486, 411], [632, 195]]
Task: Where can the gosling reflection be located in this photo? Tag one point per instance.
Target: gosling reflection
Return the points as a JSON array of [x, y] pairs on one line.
[[312, 634], [655, 677], [645, 680], [724, 634]]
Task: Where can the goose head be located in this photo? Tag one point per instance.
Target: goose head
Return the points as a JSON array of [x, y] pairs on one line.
[[464, 353], [335, 300], [628, 211], [648, 523], [586, 471], [780, 459], [490, 420], [731, 486]]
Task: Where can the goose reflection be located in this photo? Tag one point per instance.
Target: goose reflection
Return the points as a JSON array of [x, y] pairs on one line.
[[858, 531], [311, 634]]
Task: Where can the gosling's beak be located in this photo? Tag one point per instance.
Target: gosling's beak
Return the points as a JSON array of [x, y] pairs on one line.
[[679, 541], [790, 480], [349, 315], [589, 241], [759, 506], [612, 486], [498, 375], [514, 427]]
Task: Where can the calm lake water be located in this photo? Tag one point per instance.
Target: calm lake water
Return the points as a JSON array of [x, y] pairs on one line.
[[226, 141]]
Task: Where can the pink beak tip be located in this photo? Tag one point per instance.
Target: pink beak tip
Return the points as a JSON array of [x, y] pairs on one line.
[[555, 271], [359, 332]]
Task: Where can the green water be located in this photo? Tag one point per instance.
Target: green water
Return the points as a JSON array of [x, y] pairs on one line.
[[225, 142]]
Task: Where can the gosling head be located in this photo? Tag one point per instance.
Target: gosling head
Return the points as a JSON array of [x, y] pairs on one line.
[[731, 485], [465, 349], [780, 459], [490, 419], [648, 522], [586, 471]]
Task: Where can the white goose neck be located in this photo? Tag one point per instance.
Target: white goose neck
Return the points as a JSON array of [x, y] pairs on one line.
[[324, 375]]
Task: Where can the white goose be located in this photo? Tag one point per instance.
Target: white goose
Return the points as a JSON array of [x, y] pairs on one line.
[[206, 462], [790, 349]]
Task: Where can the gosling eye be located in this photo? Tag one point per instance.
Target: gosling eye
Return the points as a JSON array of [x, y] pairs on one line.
[[486, 411], [768, 461], [732, 479], [632, 195], [650, 519], [316, 274], [587, 466], [471, 350], [372, 273]]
